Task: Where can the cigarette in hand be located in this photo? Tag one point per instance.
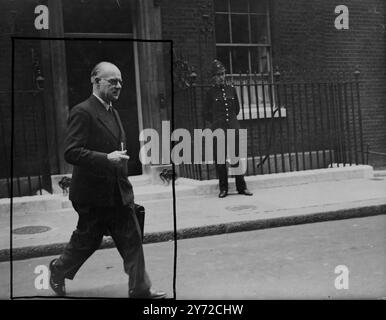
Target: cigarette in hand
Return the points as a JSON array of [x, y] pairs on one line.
[[121, 146]]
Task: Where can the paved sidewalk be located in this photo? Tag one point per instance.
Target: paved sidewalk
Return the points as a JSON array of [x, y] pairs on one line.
[[311, 198]]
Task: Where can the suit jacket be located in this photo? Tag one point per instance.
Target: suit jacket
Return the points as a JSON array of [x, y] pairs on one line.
[[222, 107], [90, 137]]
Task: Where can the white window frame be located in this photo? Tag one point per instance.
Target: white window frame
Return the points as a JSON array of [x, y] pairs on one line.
[[257, 110]]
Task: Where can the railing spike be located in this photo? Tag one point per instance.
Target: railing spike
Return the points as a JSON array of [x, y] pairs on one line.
[[357, 72]]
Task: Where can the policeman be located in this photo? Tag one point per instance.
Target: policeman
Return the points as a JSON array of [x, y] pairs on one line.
[[220, 110]]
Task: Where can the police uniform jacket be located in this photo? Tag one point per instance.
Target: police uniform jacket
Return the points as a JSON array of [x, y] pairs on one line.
[[222, 107]]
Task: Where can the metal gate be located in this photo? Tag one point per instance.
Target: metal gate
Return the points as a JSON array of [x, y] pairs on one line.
[[24, 159]]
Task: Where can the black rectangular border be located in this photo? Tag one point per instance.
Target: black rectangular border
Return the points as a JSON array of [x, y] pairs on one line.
[[13, 43]]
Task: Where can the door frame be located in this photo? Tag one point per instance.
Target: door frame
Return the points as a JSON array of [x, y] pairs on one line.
[[57, 66]]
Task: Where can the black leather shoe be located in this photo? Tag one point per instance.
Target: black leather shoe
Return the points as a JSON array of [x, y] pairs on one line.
[[223, 194], [57, 283], [149, 294], [246, 192]]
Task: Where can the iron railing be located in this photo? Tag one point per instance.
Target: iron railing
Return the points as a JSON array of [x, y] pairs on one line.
[[26, 134], [374, 154], [292, 123]]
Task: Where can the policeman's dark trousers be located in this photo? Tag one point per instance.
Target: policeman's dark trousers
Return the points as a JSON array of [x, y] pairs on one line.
[[222, 173], [93, 223], [222, 170]]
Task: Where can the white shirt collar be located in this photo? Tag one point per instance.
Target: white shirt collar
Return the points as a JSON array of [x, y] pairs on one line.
[[105, 104]]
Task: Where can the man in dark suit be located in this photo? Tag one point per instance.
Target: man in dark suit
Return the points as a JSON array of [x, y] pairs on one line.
[[100, 190], [220, 111]]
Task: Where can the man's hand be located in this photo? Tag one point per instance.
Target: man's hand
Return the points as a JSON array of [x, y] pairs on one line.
[[117, 156]]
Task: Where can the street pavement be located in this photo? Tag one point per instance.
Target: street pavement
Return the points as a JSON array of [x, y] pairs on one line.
[[279, 200], [293, 262], [200, 214]]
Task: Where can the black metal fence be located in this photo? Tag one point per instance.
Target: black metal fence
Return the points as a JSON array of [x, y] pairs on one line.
[[291, 124], [29, 162]]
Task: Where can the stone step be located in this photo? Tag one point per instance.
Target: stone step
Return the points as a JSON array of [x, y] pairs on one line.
[[136, 181], [379, 173], [189, 187], [152, 193], [50, 203]]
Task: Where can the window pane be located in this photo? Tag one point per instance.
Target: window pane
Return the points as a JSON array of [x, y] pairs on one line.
[[258, 6], [222, 28], [240, 31], [259, 29], [97, 16], [240, 60], [221, 5], [260, 59], [240, 6], [224, 56]]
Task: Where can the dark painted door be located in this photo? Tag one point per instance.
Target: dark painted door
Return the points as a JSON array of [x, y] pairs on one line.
[[81, 57]]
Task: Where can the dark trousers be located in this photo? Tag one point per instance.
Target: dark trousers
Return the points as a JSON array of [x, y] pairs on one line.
[[222, 173], [122, 224], [222, 170]]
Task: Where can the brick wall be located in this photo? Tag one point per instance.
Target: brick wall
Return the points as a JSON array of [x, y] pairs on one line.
[[364, 45], [183, 22], [304, 39]]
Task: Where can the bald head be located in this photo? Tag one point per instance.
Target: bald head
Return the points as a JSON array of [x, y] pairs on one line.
[[107, 81], [101, 69]]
